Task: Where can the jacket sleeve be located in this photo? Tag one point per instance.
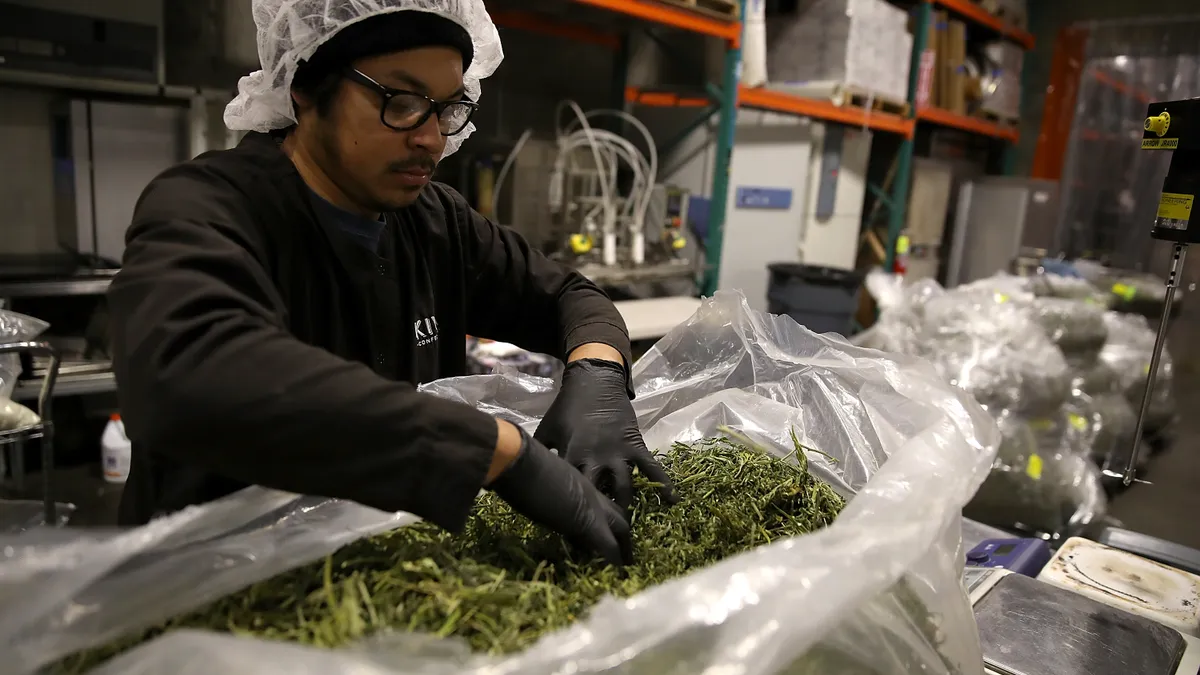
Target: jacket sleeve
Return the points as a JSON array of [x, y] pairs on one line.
[[516, 294], [208, 373]]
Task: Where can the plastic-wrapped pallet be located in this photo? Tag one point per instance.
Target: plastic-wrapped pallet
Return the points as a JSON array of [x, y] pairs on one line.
[[862, 44], [880, 586]]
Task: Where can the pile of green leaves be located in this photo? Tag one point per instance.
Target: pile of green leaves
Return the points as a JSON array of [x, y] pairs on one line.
[[504, 582]]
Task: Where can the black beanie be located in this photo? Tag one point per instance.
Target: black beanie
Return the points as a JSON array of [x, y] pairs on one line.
[[384, 34]]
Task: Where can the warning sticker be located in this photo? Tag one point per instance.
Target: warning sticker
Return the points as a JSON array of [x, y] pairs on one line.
[[1160, 143], [1034, 467], [1175, 206], [1124, 291]]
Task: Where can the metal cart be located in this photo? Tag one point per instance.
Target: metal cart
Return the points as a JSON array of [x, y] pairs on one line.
[[15, 439]]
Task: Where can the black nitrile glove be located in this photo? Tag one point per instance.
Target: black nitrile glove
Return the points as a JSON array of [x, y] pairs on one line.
[[592, 424], [550, 492]]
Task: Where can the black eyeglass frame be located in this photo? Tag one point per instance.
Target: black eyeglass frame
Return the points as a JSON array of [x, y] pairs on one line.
[[387, 93]]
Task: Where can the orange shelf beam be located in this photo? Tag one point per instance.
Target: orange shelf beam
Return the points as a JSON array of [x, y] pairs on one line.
[[972, 124], [664, 99], [766, 99], [980, 16], [670, 15], [542, 25]]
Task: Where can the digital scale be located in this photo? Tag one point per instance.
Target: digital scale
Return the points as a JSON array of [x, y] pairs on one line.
[[1029, 627], [1023, 556]]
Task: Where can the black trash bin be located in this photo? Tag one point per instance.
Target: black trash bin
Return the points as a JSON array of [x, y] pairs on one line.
[[822, 299]]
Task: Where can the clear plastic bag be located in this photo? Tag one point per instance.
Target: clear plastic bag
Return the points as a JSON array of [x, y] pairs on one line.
[[1043, 481], [880, 588], [15, 328], [1128, 352], [983, 339], [13, 415], [1076, 327]]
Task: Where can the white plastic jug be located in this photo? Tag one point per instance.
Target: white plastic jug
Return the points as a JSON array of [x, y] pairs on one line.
[[115, 451]]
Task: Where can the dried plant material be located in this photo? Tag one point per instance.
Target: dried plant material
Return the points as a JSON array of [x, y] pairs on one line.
[[504, 582]]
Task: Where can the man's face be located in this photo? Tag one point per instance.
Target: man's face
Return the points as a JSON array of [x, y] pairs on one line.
[[377, 167]]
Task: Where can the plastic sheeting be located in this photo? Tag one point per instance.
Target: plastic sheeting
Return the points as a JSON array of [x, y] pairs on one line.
[[15, 328], [880, 588], [290, 31]]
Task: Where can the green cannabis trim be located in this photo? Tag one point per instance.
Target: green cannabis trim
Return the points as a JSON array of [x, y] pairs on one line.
[[504, 582]]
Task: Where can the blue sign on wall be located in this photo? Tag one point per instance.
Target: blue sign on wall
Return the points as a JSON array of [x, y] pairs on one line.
[[763, 198]]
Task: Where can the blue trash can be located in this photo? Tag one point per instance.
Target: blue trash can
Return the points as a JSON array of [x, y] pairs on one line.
[[822, 299]]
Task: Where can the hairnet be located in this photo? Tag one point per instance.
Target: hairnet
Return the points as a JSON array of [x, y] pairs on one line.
[[290, 31]]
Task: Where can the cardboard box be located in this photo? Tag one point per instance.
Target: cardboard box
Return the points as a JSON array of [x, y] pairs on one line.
[[956, 49]]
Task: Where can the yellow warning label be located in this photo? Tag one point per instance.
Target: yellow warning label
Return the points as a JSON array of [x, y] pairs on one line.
[[1160, 143], [1124, 291], [1033, 468], [1042, 424], [1175, 206]]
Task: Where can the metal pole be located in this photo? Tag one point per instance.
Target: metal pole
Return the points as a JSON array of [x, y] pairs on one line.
[[721, 164], [1159, 342], [897, 209]]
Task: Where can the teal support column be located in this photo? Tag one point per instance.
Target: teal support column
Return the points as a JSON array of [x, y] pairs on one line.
[[720, 185], [898, 206]]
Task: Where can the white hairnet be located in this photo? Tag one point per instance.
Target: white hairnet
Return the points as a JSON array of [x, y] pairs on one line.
[[290, 31]]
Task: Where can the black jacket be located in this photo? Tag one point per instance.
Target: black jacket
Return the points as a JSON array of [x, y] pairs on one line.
[[254, 344]]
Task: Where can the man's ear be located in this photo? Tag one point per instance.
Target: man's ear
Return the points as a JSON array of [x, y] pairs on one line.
[[300, 103]]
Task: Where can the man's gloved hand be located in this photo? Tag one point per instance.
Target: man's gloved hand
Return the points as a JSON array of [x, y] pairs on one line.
[[550, 492], [592, 424]]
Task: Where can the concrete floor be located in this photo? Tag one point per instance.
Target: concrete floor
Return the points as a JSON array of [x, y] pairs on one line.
[[1169, 508]]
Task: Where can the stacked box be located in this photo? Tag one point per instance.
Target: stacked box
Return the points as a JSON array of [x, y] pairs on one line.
[[1005, 67], [863, 44]]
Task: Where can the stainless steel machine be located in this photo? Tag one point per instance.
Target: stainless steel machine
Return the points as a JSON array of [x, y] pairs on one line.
[[998, 217]]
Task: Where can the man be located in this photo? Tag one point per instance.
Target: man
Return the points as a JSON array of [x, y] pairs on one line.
[[279, 302]]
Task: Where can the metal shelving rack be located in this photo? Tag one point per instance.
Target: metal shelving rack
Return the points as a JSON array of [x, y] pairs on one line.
[[43, 430], [730, 95], [976, 16]]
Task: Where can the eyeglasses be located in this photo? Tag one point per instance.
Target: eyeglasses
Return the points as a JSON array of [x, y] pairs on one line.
[[407, 110]]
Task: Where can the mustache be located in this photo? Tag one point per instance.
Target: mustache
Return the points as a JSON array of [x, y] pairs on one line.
[[426, 163]]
